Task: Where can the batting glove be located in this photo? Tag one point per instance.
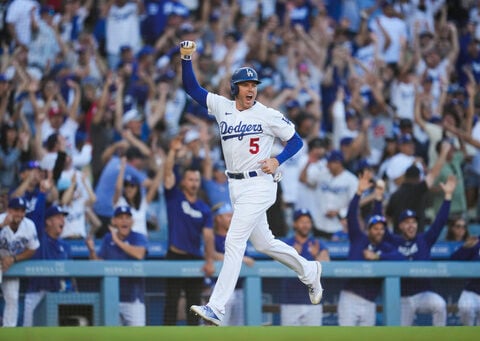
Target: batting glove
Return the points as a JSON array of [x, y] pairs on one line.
[[187, 48]]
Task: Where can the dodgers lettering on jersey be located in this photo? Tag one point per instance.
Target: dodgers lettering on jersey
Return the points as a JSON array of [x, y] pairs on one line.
[[247, 136], [239, 131], [408, 250]]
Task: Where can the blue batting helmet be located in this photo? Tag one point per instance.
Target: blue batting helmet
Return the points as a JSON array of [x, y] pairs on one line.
[[243, 74]]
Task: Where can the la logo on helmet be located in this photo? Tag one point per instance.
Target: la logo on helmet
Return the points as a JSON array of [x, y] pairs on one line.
[[249, 73]]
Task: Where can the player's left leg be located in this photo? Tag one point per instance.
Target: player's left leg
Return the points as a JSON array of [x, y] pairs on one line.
[[132, 313], [407, 313], [32, 299], [10, 288], [432, 303], [468, 307], [251, 199]]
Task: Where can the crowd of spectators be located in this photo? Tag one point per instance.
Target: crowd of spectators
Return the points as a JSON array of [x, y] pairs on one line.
[[91, 99]]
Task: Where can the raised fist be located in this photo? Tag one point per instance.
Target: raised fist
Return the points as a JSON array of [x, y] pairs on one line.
[[187, 48]]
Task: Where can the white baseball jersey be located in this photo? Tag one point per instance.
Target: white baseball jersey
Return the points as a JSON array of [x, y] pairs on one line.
[[333, 193], [247, 136], [14, 243]]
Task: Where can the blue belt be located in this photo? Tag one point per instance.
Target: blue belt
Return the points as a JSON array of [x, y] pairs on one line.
[[243, 175]]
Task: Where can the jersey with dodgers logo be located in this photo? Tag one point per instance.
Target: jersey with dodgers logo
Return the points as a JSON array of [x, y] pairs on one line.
[[247, 136], [14, 243]]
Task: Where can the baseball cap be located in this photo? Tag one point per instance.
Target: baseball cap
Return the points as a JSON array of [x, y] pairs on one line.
[[293, 103], [131, 115], [125, 48], [405, 138], [17, 203], [335, 156], [29, 165], [54, 210], [122, 210], [47, 9], [377, 219], [350, 113], [300, 213], [130, 179], [186, 28], [363, 164], [346, 141], [407, 214], [146, 50]]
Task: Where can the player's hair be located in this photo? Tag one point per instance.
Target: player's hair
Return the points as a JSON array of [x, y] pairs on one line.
[[243, 74]]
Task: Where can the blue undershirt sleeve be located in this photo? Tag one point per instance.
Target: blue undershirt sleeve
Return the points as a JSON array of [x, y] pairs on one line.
[[191, 85], [291, 148]]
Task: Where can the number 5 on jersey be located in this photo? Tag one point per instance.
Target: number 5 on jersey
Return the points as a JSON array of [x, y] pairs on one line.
[[254, 146]]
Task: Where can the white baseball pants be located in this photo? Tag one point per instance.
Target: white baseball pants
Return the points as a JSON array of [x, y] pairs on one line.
[[10, 288], [354, 310], [301, 314], [250, 199], [427, 302], [32, 299], [469, 308], [132, 313]]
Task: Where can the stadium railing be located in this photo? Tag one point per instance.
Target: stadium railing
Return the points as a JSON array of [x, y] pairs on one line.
[[111, 271]]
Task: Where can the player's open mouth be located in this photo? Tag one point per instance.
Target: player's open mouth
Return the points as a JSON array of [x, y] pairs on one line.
[[249, 97]]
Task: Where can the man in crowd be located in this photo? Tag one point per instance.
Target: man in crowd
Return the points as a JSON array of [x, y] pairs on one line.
[[124, 244], [52, 247], [18, 242]]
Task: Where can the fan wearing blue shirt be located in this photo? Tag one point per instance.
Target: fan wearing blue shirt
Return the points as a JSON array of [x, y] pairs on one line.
[[469, 301], [52, 247], [124, 244], [417, 293], [189, 222], [356, 305]]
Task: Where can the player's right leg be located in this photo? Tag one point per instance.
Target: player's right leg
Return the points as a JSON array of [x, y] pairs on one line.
[[466, 307], [10, 288], [32, 299]]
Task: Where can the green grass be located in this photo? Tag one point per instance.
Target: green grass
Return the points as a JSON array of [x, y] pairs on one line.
[[239, 333]]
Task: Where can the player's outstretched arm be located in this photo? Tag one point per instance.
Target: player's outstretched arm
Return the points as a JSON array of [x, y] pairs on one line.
[[190, 83]]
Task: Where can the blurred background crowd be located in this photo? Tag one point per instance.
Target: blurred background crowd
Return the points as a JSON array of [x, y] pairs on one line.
[[380, 83]]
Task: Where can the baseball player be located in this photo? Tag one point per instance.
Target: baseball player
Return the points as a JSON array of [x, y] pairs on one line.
[[356, 304], [18, 241], [51, 247], [417, 293], [248, 129], [469, 301], [124, 244]]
